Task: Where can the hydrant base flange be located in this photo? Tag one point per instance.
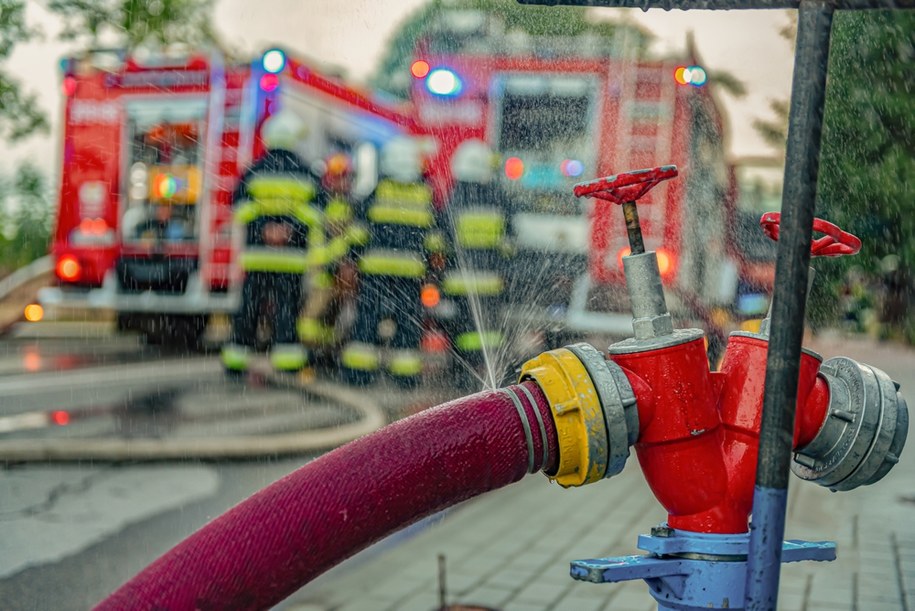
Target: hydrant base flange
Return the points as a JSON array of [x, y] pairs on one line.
[[687, 571]]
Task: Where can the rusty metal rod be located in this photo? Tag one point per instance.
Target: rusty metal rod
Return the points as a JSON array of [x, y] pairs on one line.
[[633, 228]]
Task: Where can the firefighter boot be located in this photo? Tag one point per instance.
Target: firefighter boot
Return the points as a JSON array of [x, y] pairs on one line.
[[405, 367], [360, 362], [288, 358], [234, 359]]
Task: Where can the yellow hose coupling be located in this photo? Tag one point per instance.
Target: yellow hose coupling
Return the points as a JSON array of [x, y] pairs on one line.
[[577, 413]]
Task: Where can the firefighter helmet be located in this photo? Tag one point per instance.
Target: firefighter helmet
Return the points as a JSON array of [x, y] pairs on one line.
[[472, 162], [338, 173], [401, 159], [284, 130]]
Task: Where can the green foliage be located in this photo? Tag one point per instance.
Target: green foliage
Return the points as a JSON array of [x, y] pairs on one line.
[[19, 111], [132, 23], [728, 82], [26, 216], [868, 153], [774, 131], [91, 23], [531, 20]]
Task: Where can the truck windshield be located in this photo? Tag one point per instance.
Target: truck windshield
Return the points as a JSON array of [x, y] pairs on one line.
[[547, 123], [164, 173], [544, 129]]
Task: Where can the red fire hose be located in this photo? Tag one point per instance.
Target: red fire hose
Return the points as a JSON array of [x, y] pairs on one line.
[[273, 543]]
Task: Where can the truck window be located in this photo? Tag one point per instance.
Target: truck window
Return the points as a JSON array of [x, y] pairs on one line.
[[550, 124], [544, 126], [164, 172]]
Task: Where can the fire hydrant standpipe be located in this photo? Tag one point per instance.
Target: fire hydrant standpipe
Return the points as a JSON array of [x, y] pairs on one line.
[[698, 438]]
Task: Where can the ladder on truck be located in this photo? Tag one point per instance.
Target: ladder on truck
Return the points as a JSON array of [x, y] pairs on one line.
[[226, 160], [644, 136]]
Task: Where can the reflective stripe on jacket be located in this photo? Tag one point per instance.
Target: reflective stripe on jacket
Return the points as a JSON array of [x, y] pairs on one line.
[[480, 228], [383, 262]]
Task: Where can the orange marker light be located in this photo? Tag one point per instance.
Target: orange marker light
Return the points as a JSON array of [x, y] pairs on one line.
[[33, 312], [420, 68], [514, 168], [665, 263], [429, 296], [622, 252], [68, 268], [680, 75]]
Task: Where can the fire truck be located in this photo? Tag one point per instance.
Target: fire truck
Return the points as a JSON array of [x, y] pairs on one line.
[[153, 148], [561, 111]]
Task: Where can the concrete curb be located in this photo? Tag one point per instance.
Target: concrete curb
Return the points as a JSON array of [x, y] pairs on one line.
[[24, 275], [207, 448]]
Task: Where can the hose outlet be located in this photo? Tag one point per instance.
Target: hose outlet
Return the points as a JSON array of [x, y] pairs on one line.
[[594, 410], [864, 431]]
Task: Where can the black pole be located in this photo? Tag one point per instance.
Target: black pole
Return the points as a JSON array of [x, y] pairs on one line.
[[808, 94], [685, 5]]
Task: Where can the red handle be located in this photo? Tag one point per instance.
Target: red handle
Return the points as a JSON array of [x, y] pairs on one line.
[[834, 242], [626, 187]]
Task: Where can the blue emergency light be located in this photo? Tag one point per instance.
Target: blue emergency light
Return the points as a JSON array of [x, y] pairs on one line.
[[274, 61], [444, 82]]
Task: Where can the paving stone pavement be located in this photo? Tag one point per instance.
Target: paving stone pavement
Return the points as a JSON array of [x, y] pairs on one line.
[[510, 549]]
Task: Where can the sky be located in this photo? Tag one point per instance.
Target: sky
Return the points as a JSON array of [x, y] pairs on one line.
[[353, 35]]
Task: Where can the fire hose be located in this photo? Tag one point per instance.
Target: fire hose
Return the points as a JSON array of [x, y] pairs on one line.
[[273, 543]]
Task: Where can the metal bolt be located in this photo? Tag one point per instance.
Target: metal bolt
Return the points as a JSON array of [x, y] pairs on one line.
[[662, 531], [805, 460], [842, 414]]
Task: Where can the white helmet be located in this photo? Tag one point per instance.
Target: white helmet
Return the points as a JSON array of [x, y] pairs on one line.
[[401, 160], [472, 162], [284, 130]]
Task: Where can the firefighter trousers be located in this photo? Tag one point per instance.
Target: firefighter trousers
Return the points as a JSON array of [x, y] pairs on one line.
[[278, 296], [384, 297], [281, 293]]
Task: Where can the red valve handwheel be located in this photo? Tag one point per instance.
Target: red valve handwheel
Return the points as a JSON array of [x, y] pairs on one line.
[[834, 243], [626, 187]]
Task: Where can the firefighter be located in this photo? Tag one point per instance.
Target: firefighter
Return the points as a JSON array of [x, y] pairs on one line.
[[284, 237], [401, 221], [475, 279], [333, 284]]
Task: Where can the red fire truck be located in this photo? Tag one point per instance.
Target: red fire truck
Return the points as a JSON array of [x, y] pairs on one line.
[[153, 149], [561, 111]]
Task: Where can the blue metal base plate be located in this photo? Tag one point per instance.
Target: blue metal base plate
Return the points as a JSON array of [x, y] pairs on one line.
[[686, 570]]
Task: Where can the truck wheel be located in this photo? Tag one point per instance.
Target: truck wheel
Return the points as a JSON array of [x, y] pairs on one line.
[[127, 321], [177, 331]]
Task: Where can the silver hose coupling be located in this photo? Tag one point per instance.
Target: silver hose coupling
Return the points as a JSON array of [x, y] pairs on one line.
[[864, 431]]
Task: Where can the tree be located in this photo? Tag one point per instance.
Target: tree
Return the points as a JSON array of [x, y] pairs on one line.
[[868, 154], [531, 20], [133, 23], [26, 215], [19, 111], [775, 129]]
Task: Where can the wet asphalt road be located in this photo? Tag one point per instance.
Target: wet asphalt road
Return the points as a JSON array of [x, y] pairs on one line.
[[71, 533]]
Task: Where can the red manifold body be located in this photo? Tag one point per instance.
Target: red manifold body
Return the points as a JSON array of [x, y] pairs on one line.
[[699, 430]]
